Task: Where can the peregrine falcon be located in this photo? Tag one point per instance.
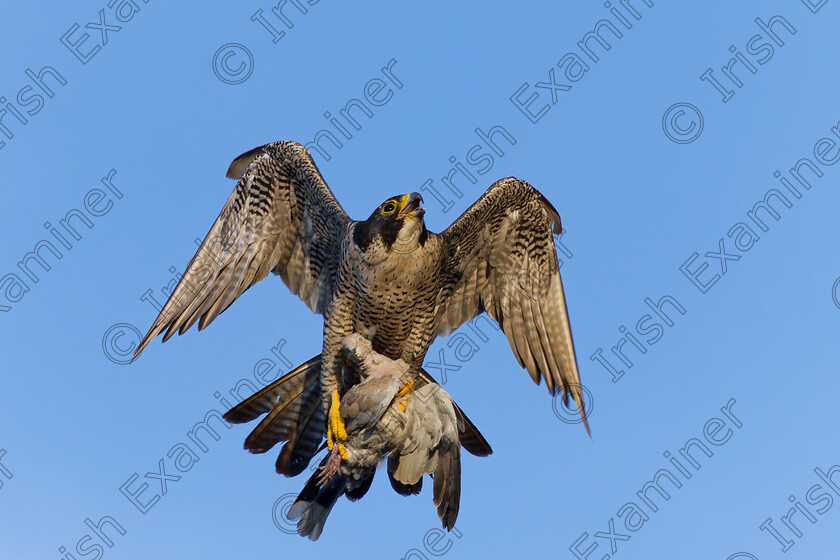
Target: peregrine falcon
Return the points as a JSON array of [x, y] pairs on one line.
[[387, 278]]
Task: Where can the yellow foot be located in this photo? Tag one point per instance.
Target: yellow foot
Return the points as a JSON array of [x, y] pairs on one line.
[[336, 431], [405, 389]]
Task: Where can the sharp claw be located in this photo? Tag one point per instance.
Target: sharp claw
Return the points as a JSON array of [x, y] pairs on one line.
[[333, 465], [336, 435]]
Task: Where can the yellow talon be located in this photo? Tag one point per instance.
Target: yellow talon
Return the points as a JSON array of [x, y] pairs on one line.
[[342, 451], [405, 389], [402, 405]]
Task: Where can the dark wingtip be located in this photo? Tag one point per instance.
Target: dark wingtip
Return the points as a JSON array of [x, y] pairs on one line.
[[579, 401], [475, 444], [586, 425], [578, 398], [143, 343], [238, 166], [235, 416], [554, 215]]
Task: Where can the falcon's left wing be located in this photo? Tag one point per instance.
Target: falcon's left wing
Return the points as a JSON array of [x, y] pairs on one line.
[[281, 217], [499, 257]]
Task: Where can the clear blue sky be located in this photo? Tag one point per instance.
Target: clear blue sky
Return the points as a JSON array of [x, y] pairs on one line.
[[647, 196]]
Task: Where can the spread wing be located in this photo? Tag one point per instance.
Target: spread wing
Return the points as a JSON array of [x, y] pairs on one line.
[[499, 257], [281, 217]]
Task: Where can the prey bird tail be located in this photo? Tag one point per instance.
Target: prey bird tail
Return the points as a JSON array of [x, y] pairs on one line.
[[431, 448], [446, 493]]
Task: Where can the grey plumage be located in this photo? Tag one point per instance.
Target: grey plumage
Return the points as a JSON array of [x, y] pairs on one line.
[[387, 278], [418, 433]]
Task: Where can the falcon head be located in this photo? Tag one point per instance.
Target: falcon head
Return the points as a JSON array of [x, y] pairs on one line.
[[396, 225]]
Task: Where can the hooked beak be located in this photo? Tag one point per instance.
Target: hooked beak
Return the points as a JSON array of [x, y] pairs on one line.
[[411, 205]]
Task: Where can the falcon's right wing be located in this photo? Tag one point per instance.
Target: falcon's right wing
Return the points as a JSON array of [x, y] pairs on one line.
[[281, 217], [499, 257]]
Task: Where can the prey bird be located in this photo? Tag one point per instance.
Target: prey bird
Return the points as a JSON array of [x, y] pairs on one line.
[[416, 430], [387, 278]]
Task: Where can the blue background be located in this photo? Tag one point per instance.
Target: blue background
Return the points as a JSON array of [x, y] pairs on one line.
[[76, 426]]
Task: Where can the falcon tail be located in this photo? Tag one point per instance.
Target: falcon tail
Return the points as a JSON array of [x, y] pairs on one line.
[[296, 416]]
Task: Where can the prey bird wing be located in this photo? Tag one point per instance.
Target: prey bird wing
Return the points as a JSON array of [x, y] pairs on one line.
[[499, 256], [471, 439], [281, 217]]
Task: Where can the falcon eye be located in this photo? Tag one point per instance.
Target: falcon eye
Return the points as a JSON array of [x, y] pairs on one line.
[[390, 207]]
